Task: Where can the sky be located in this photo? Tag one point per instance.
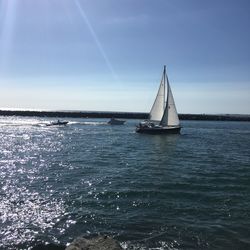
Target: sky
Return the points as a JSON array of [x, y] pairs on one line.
[[108, 55]]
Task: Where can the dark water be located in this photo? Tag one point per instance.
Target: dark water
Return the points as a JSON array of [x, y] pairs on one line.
[[188, 191]]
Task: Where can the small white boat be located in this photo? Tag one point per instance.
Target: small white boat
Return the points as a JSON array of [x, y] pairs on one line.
[[57, 123], [114, 121], [163, 117]]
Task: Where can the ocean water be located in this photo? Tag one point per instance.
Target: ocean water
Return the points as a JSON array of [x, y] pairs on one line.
[[188, 191]]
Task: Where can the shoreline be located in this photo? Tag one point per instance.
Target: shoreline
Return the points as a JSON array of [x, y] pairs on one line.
[[124, 115]]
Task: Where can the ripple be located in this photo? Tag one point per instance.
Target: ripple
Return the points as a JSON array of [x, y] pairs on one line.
[[25, 214], [151, 192]]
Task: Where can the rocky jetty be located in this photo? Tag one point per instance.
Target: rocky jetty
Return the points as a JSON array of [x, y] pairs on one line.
[[75, 114], [84, 243], [96, 243], [123, 115]]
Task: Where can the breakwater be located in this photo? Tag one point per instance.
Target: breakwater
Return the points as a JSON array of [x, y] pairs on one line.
[[125, 115]]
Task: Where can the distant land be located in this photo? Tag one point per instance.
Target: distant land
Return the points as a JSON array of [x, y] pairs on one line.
[[126, 115]]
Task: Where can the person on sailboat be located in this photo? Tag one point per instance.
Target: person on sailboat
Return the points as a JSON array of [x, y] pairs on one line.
[[146, 124]]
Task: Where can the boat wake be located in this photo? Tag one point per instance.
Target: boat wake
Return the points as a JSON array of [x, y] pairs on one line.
[[47, 123], [88, 123], [71, 123]]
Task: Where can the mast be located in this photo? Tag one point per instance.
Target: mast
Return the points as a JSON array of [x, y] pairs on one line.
[[164, 80], [167, 102], [164, 75], [164, 119]]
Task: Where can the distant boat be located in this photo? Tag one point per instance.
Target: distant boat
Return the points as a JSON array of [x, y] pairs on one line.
[[56, 123], [114, 121], [163, 117]]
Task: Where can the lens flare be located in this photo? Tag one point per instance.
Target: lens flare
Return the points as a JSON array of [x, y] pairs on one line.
[[96, 39], [8, 10]]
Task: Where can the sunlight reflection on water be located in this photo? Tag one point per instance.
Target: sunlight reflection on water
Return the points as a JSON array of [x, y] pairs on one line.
[[25, 210], [26, 213]]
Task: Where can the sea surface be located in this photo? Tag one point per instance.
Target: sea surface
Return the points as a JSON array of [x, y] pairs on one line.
[[187, 191]]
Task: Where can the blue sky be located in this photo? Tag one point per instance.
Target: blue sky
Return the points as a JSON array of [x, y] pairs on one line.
[[109, 54]]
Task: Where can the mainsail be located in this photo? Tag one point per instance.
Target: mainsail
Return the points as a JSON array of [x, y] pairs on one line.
[[158, 107]]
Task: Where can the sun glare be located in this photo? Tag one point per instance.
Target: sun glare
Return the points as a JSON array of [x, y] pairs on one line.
[[8, 10], [96, 39]]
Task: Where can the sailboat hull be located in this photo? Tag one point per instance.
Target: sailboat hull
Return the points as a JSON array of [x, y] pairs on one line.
[[158, 130]]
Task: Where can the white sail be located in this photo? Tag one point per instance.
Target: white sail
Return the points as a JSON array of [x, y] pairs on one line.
[[173, 119], [158, 107], [170, 116]]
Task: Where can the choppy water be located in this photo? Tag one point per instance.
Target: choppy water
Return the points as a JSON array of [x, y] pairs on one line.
[[188, 191]]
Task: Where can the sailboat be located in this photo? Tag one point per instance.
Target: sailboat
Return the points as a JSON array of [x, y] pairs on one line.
[[163, 117]]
